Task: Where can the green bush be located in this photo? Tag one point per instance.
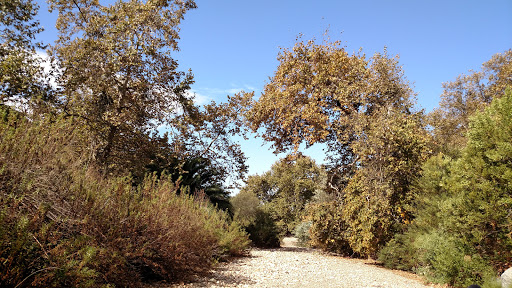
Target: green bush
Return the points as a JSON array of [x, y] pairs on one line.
[[263, 232], [302, 233], [400, 253], [447, 259], [258, 223], [328, 230], [439, 257], [63, 224]]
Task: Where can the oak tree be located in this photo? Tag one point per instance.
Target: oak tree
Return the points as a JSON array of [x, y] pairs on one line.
[[362, 108], [465, 96], [118, 73], [22, 78]]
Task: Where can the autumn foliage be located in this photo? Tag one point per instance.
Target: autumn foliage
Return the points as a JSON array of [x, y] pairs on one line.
[[387, 193], [112, 176], [91, 195], [362, 109]]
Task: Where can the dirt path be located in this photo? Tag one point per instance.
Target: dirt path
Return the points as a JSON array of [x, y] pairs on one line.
[[291, 266]]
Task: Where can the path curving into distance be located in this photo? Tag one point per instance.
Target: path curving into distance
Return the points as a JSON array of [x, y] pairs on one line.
[[291, 266]]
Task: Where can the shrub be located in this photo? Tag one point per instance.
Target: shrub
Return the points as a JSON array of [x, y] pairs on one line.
[[400, 253], [258, 223], [440, 257], [328, 229], [447, 259], [62, 224], [302, 233], [263, 232]]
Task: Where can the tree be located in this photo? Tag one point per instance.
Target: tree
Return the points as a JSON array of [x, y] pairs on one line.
[[195, 176], [363, 110], [287, 188], [246, 206], [464, 97], [208, 134], [118, 75], [320, 92], [481, 178], [21, 75], [378, 200], [461, 233], [313, 94]]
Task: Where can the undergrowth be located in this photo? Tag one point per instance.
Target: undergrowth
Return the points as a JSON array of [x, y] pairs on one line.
[[64, 224]]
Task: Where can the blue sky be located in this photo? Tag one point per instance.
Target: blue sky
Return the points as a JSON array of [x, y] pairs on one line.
[[232, 45]]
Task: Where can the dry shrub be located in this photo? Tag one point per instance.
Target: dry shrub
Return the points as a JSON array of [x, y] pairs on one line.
[[63, 224]]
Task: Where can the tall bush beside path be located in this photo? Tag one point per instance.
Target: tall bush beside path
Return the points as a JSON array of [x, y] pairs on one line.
[[462, 232], [63, 224]]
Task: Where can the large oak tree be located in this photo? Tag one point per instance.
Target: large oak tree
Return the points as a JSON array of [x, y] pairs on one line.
[[466, 95], [362, 108], [118, 73]]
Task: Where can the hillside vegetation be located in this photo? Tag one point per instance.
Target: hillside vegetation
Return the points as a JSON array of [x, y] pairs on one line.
[[428, 193], [111, 175], [91, 195]]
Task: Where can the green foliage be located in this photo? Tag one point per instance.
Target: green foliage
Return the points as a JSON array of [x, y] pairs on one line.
[[71, 226], [196, 175], [440, 257], [450, 261], [482, 177], [462, 230], [232, 238], [401, 253], [287, 188], [302, 233], [328, 229], [263, 232], [258, 223]]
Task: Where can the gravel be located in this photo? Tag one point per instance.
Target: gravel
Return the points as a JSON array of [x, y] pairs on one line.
[[291, 266]]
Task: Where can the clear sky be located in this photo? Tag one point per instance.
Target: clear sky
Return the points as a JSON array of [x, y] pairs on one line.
[[232, 45]]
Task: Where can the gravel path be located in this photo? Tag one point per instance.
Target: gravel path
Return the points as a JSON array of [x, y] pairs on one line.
[[290, 266]]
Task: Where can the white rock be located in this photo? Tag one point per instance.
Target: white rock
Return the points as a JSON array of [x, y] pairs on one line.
[[506, 278]]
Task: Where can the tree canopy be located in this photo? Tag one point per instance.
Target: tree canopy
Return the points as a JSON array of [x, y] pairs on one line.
[[22, 79], [465, 96], [287, 188], [118, 74], [362, 108]]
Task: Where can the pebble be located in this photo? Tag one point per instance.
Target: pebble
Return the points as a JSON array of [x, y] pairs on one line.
[[301, 267]]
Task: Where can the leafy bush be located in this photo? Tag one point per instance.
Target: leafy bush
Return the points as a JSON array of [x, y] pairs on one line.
[[328, 229], [447, 260], [400, 253], [263, 232], [302, 233], [258, 223], [62, 224], [462, 231], [440, 257]]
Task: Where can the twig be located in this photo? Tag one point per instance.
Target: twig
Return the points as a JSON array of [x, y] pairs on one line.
[[33, 273]]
